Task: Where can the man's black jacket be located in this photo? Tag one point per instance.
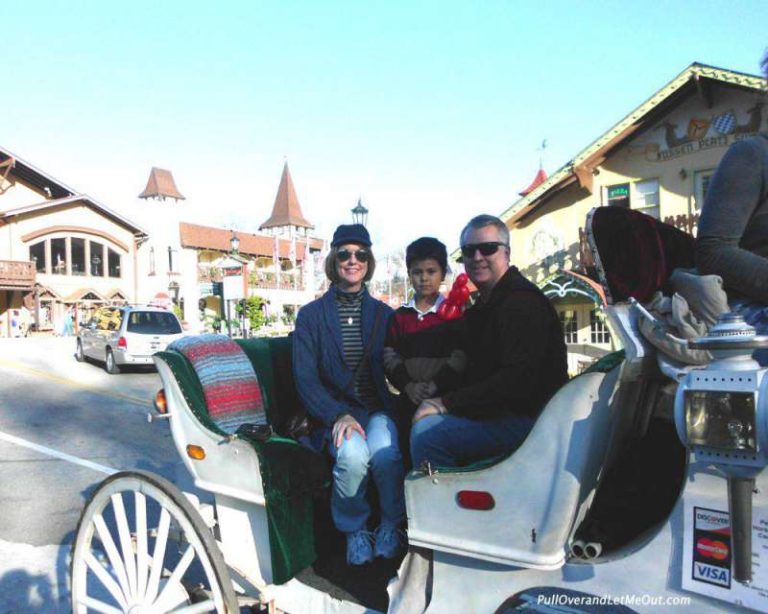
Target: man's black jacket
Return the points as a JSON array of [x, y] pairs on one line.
[[516, 356]]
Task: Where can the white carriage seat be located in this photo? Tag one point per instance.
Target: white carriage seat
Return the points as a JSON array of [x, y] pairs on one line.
[[538, 491]]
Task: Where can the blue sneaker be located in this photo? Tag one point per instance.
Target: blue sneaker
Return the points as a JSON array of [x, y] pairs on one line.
[[359, 548], [389, 541]]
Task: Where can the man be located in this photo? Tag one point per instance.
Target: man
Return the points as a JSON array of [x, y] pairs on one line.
[[516, 360]]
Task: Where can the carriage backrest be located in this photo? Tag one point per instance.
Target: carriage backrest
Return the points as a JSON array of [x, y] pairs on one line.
[[634, 253], [271, 361]]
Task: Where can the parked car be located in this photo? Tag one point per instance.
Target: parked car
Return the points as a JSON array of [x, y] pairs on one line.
[[130, 335]]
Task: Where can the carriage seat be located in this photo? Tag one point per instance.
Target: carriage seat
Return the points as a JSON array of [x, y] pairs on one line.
[[291, 474]]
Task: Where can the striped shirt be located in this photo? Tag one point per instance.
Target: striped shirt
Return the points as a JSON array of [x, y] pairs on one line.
[[349, 306]]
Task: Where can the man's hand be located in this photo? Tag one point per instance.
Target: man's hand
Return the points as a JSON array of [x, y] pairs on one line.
[[420, 391], [344, 427], [428, 408]]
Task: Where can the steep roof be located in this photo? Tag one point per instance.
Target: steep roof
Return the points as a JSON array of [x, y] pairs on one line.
[[208, 237], [695, 79], [92, 203], [161, 185], [540, 178], [32, 177], [287, 211]]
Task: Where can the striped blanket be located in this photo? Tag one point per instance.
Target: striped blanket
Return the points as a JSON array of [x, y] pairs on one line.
[[230, 386]]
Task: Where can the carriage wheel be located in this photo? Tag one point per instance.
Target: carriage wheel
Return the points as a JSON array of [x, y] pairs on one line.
[[134, 567]]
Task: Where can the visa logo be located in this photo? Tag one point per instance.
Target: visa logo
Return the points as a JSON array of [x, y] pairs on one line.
[[711, 574]]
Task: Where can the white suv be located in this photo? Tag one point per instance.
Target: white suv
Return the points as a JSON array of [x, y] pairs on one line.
[[126, 336]]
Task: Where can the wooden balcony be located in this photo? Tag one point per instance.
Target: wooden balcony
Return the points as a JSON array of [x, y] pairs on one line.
[[17, 275]]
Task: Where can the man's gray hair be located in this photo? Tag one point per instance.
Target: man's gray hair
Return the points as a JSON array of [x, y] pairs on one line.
[[481, 221]]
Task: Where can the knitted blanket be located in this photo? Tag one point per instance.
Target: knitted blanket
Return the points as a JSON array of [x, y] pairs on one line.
[[230, 386]]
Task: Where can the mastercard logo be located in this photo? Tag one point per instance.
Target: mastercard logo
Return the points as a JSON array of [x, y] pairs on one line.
[[712, 549]]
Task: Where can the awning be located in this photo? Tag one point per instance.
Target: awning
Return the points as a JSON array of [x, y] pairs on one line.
[[82, 295]]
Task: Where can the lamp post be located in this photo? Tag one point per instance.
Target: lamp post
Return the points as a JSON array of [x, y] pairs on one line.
[[234, 242], [359, 213], [173, 290]]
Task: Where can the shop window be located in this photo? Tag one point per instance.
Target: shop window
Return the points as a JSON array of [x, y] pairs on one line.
[[77, 247], [598, 329], [113, 263], [646, 197], [570, 326], [37, 255], [618, 195], [97, 259], [59, 256], [701, 181]]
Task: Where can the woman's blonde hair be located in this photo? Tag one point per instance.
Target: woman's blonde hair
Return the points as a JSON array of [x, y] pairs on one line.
[[330, 265]]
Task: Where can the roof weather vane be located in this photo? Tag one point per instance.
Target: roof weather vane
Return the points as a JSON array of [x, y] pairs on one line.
[[541, 149]]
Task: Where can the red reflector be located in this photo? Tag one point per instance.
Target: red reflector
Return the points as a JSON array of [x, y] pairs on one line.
[[122, 343], [475, 500]]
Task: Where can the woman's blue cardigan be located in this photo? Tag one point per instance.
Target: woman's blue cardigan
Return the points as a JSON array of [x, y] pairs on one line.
[[319, 369]]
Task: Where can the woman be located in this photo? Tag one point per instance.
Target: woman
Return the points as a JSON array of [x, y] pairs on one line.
[[732, 239], [337, 362]]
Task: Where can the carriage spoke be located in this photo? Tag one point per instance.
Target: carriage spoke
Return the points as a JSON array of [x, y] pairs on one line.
[[99, 606], [142, 550], [107, 580], [164, 602], [158, 556], [112, 554], [203, 606], [124, 532]]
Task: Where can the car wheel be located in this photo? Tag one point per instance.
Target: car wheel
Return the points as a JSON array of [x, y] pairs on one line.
[[109, 364], [79, 355]]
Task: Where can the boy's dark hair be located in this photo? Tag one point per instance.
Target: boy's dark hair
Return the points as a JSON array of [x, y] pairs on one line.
[[427, 247]]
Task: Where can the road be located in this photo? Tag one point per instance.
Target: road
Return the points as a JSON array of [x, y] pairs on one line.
[[64, 426]]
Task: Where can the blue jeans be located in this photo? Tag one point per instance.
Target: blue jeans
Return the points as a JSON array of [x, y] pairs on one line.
[[380, 453], [451, 441]]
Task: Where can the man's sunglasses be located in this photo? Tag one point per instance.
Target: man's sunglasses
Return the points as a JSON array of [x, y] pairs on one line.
[[361, 255], [486, 249]]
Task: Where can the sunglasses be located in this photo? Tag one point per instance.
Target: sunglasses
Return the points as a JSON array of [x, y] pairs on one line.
[[486, 249], [361, 255]]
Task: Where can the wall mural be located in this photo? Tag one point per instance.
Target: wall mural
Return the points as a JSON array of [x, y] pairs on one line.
[[700, 133]]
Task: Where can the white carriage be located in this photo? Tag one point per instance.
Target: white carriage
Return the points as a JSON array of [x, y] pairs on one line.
[[601, 503]]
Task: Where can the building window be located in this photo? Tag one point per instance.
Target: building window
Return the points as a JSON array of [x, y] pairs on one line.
[[151, 260], [97, 259], [646, 197], [77, 247], [113, 263], [570, 325], [173, 257], [701, 181], [598, 329], [618, 195], [59, 256], [37, 255]]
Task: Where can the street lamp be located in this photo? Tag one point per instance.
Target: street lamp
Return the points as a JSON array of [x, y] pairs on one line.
[[234, 243], [360, 213]]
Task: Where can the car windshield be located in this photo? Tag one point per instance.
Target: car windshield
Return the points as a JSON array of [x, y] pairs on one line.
[[153, 323]]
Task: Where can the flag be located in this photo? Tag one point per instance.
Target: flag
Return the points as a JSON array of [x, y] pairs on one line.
[[276, 260], [697, 128], [725, 122]]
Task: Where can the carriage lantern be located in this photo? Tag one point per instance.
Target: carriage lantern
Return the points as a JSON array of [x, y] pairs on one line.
[[720, 415]]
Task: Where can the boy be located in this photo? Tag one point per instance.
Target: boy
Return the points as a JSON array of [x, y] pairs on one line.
[[423, 365]]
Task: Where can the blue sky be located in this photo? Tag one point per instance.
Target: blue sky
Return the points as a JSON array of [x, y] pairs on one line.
[[432, 111]]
